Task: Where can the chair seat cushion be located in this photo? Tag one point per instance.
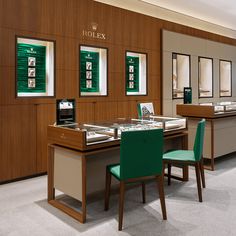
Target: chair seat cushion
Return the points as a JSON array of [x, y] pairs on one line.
[[179, 155], [115, 170]]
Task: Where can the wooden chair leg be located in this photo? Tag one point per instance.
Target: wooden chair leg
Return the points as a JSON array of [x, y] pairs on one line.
[[202, 173], [163, 169], [107, 191], [197, 169], [169, 173], [121, 204], [143, 192], [162, 195]]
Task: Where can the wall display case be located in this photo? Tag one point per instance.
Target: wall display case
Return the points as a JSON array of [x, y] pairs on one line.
[[180, 74], [34, 67], [225, 78], [205, 73], [136, 73], [93, 71]]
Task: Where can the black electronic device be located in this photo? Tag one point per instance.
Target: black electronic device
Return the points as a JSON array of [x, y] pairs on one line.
[[187, 95], [65, 111]]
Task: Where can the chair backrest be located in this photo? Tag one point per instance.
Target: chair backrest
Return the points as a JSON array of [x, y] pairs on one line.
[[141, 153], [199, 139]]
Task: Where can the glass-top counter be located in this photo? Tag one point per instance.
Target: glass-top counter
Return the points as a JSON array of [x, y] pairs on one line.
[[111, 130], [221, 107]]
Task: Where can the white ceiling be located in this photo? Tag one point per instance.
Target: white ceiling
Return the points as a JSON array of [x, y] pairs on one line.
[[220, 12], [216, 16]]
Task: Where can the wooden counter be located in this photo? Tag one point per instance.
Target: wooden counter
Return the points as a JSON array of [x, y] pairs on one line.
[[77, 169], [220, 131]]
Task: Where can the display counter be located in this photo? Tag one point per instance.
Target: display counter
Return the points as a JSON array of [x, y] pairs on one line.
[[78, 155], [220, 131]]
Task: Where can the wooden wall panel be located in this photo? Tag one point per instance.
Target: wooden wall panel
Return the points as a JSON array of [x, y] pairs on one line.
[[46, 115], [64, 21], [105, 111], [17, 141], [85, 112], [7, 85], [127, 109], [67, 85]]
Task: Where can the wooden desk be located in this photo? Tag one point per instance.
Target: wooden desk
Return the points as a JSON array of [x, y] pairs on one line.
[[220, 130], [77, 170]]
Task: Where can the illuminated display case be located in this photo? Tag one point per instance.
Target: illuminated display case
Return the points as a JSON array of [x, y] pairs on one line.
[[180, 74], [93, 71], [205, 73], [110, 132], [221, 107], [225, 78], [136, 73], [34, 67]]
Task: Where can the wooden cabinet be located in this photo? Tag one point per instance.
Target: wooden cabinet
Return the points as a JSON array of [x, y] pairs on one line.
[[17, 141]]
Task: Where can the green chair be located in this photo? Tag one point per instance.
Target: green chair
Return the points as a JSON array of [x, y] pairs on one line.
[[190, 157], [140, 159]]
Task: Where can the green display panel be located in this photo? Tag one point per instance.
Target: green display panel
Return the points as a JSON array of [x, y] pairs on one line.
[[89, 71], [132, 74], [31, 68]]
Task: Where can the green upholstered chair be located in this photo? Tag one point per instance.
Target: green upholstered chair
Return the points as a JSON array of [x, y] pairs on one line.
[[190, 157], [140, 159]]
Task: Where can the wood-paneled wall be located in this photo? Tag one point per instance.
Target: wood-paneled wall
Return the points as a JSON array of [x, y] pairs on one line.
[[23, 121]]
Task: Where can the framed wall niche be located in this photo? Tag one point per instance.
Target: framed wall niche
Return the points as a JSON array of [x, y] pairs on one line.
[[205, 77], [35, 67], [93, 71], [136, 73], [225, 78], [180, 74]]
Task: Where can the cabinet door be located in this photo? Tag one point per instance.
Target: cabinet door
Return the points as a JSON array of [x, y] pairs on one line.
[[46, 115], [17, 141]]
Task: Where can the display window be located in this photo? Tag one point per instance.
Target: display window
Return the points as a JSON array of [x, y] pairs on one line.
[[136, 73], [225, 78], [93, 71], [205, 77], [180, 74], [35, 73]]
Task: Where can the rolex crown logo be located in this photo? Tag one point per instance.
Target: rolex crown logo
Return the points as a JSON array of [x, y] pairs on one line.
[[94, 26]]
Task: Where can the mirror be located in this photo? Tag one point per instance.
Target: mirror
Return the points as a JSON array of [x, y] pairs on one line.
[[180, 74], [205, 73], [225, 78]]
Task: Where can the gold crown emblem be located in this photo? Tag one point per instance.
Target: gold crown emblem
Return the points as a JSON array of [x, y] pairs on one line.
[[94, 26]]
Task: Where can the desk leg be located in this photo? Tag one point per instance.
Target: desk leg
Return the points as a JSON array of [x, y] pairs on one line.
[[51, 189], [83, 189], [78, 215]]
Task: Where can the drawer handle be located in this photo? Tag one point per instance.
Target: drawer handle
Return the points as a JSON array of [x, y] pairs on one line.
[[62, 136]]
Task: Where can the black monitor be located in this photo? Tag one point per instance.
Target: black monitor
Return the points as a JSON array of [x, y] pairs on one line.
[[65, 111]]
